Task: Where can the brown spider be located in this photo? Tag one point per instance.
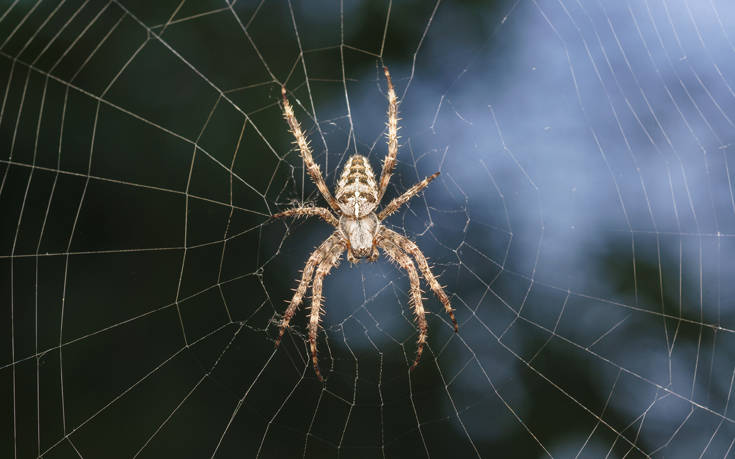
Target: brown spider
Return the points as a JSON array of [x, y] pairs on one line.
[[358, 228]]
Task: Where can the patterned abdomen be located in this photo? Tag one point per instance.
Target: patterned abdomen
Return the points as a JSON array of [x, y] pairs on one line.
[[357, 192]]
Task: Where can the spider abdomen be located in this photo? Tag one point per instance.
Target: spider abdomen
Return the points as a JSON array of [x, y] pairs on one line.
[[357, 191]]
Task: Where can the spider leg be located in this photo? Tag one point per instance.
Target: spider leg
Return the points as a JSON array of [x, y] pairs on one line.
[[390, 159], [330, 260], [311, 167], [402, 199], [304, 211], [396, 254], [410, 247], [316, 257]]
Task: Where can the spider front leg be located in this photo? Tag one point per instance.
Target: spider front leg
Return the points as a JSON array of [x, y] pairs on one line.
[[316, 257], [330, 260], [396, 254], [410, 247]]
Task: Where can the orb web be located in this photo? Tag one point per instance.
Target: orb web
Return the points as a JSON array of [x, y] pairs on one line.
[[582, 225]]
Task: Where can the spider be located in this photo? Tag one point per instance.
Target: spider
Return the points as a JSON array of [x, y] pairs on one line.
[[358, 228]]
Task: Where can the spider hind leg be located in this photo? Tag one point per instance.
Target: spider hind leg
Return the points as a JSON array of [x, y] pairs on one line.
[[303, 143], [389, 163]]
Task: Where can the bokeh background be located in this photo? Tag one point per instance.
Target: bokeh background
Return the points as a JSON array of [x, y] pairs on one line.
[[583, 225]]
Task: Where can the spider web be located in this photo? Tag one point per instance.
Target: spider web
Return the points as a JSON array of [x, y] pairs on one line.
[[583, 226]]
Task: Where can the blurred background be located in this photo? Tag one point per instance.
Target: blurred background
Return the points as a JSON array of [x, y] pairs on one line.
[[583, 225]]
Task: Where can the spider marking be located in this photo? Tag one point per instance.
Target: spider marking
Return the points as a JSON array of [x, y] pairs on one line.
[[358, 228]]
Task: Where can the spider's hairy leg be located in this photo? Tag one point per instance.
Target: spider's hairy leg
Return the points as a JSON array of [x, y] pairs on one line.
[[390, 159], [396, 254], [410, 247], [311, 167], [321, 212], [330, 260], [405, 197], [316, 257]]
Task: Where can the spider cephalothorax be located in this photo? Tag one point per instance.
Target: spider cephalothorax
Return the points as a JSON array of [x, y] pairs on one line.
[[358, 229]]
